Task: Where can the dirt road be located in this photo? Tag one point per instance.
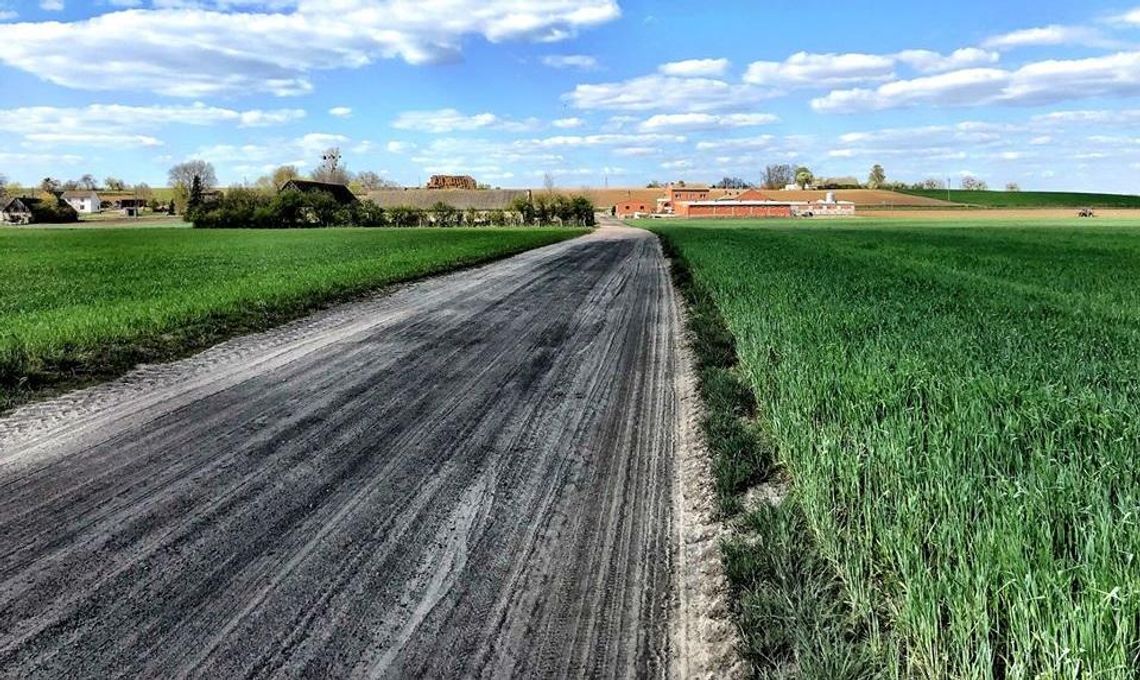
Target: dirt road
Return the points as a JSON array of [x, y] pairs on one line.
[[471, 477]]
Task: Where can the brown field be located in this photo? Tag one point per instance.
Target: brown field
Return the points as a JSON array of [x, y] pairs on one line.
[[605, 198]]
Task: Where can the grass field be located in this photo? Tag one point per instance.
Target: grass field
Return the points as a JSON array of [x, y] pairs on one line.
[[1030, 199], [83, 304], [956, 413]]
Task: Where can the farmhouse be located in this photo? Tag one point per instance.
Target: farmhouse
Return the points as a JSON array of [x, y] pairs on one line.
[[340, 192], [84, 202], [465, 182], [677, 194], [14, 211]]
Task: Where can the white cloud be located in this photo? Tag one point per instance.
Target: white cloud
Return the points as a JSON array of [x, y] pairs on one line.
[[118, 125], [695, 68], [926, 61], [340, 112], [451, 120], [581, 62], [820, 70], [400, 147], [1048, 36], [51, 5], [568, 123], [191, 52], [665, 93], [705, 121], [1116, 75]]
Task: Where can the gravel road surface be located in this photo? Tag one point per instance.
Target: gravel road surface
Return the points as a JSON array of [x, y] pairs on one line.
[[470, 477]]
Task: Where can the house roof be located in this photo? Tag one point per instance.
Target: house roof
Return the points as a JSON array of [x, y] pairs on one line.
[[80, 194], [13, 203], [340, 192], [463, 199]]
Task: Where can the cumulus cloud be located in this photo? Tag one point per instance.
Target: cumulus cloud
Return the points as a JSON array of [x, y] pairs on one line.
[[659, 92], [1049, 36], [821, 70], [690, 68], [119, 125], [692, 122], [1116, 75], [927, 61], [190, 51], [451, 120], [340, 112], [568, 123]]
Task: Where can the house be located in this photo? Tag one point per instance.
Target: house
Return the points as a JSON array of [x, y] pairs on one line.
[[14, 211], [84, 202], [340, 192], [677, 194]]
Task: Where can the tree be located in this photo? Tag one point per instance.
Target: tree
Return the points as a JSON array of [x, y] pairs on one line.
[[71, 185], [88, 183], [877, 178], [932, 184], [144, 192], [115, 184], [283, 175], [371, 181], [548, 182], [970, 183], [655, 184], [330, 170], [732, 183], [181, 176], [49, 185], [3, 184], [804, 177], [1013, 186], [195, 199], [778, 176]]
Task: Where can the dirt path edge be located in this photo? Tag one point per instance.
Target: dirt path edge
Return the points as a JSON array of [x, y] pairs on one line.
[[704, 636]]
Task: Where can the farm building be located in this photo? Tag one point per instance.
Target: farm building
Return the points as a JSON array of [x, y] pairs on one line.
[[677, 194], [464, 182], [633, 207], [84, 202], [340, 192], [461, 199], [14, 211], [754, 203]]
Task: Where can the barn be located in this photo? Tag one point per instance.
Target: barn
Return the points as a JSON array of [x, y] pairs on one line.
[[733, 208]]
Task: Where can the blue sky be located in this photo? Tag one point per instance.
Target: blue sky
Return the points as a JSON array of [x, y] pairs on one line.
[[589, 91]]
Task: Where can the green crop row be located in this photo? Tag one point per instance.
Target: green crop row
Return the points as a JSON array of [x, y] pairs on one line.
[[957, 411]]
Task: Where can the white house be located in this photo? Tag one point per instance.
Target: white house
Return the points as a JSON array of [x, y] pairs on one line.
[[84, 202]]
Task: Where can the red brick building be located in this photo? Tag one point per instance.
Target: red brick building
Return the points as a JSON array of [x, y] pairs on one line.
[[630, 208], [734, 208]]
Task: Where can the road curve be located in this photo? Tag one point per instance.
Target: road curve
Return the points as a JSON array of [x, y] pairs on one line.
[[470, 477]]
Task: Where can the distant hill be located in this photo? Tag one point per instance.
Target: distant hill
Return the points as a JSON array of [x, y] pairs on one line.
[[1030, 199]]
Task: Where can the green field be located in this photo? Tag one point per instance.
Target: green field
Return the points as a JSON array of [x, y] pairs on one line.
[[1028, 199], [956, 413], [83, 304]]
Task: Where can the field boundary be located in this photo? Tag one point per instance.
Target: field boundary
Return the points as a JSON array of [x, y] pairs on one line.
[[785, 599], [53, 376]]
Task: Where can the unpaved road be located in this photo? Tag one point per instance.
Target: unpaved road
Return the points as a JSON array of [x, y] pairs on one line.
[[471, 477]]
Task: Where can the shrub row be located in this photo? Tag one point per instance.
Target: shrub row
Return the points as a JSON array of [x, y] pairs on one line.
[[242, 208]]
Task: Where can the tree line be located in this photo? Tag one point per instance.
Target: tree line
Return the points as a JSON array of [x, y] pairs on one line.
[[249, 208]]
